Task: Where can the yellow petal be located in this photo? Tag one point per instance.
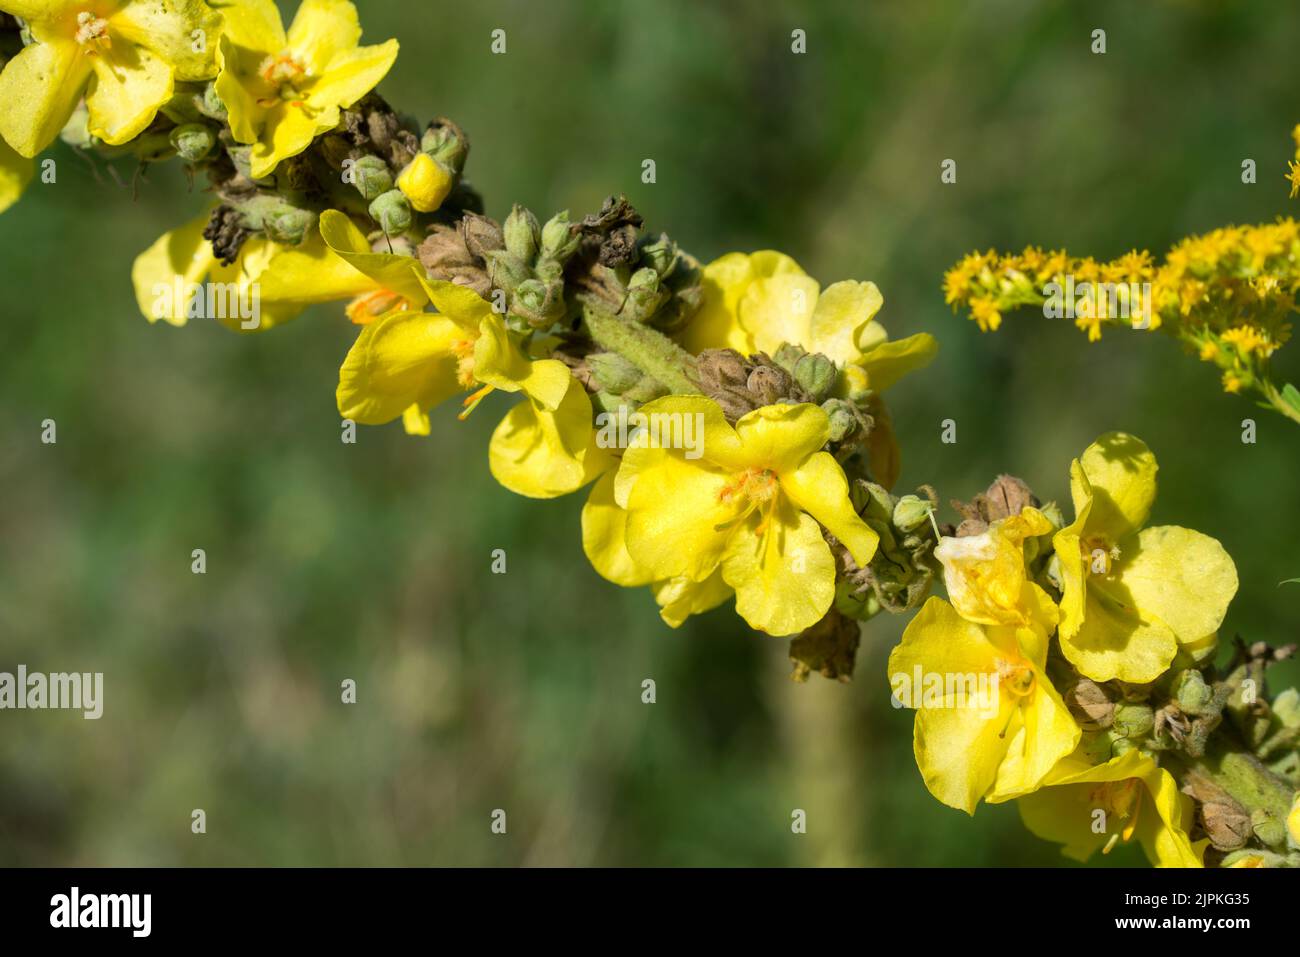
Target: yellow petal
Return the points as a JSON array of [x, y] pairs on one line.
[[784, 576], [677, 521], [1068, 545], [679, 598], [1182, 577], [241, 285], [425, 183], [168, 29], [415, 421], [890, 361], [130, 84], [501, 363], [1047, 733], [286, 131], [985, 574], [239, 87], [399, 274], [604, 536], [781, 437], [351, 76], [400, 360], [310, 273], [819, 487], [725, 282], [323, 30], [460, 304], [15, 173], [39, 89], [254, 25], [1122, 473], [1115, 640], [958, 742], [670, 421], [779, 309], [540, 453], [884, 457], [843, 310], [175, 262]]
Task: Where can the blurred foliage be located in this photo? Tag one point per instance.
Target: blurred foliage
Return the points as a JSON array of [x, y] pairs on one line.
[[373, 561]]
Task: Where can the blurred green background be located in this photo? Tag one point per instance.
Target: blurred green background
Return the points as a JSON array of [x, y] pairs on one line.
[[373, 562]]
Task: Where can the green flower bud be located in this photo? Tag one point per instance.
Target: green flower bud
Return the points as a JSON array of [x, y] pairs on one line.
[[522, 234], [539, 304], [391, 211], [788, 355], [505, 270], [1287, 708], [372, 177], [645, 295], [1191, 692], [288, 224], [1053, 513], [446, 143], [559, 241], [1133, 719], [816, 374], [844, 420], [210, 105], [911, 511], [193, 141], [661, 255]]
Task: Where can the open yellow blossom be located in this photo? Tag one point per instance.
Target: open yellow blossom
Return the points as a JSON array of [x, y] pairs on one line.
[[989, 724], [1087, 808], [405, 362], [179, 278], [15, 173], [985, 574], [1131, 594], [746, 501], [123, 55], [755, 302], [282, 90]]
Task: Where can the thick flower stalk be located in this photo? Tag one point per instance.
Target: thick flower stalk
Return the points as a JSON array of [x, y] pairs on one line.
[[728, 420]]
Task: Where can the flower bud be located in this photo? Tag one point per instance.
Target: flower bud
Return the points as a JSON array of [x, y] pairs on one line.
[[522, 234], [1226, 824], [769, 384], [210, 105], [911, 511], [660, 255], [1191, 692], [445, 142], [539, 304], [425, 182], [721, 369], [857, 383], [645, 295], [1090, 705], [505, 270], [843, 419], [481, 234], [372, 177], [1134, 719], [816, 374], [289, 225], [193, 141], [391, 211], [787, 355], [559, 241]]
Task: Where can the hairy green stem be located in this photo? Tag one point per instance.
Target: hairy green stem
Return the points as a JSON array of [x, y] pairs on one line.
[[1263, 794], [649, 350]]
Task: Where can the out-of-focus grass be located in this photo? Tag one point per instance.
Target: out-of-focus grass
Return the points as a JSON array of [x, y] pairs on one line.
[[523, 691]]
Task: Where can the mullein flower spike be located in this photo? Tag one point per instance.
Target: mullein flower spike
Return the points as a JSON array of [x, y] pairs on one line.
[[729, 420]]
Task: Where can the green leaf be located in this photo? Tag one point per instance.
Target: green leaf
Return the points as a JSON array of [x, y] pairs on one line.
[[1292, 396], [1289, 581]]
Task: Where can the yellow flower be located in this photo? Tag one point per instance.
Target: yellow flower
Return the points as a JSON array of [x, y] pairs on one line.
[[989, 724], [1130, 594], [406, 362], [283, 90], [377, 282], [604, 540], [745, 501], [178, 278], [15, 173], [1087, 808], [756, 302], [124, 55], [985, 574]]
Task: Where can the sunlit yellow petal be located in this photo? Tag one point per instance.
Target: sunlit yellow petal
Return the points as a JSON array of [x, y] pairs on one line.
[[287, 130], [779, 309], [177, 260], [183, 33], [1182, 577], [15, 173], [784, 575], [890, 361], [322, 30], [130, 84], [538, 452], [39, 89], [680, 598], [689, 535], [351, 76], [398, 361], [399, 274], [604, 536], [781, 437], [819, 487], [842, 310], [1122, 472]]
